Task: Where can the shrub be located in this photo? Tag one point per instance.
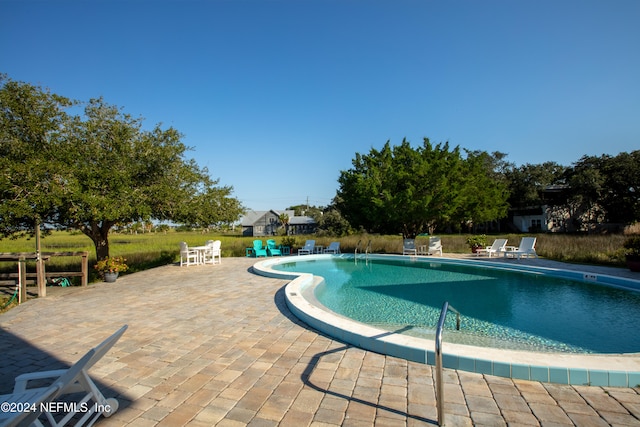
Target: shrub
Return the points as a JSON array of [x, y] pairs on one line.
[[478, 241], [289, 241], [114, 264], [632, 246]]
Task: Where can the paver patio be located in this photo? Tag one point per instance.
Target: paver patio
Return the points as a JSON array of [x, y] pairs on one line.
[[216, 345]]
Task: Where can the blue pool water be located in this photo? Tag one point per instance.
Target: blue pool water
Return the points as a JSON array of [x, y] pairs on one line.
[[500, 308]]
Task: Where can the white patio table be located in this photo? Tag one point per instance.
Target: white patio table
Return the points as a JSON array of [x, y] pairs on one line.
[[201, 251]]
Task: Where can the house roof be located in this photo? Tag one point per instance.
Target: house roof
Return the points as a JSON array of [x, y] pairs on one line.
[[301, 220], [251, 217]]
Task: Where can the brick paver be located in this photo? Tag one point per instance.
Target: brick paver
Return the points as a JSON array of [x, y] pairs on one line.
[[216, 345]]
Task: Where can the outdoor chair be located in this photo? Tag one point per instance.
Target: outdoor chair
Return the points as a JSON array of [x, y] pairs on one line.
[[188, 256], [258, 249], [409, 247], [527, 247], [272, 249], [94, 401], [37, 399], [308, 248], [212, 251], [435, 246], [497, 247], [333, 248]]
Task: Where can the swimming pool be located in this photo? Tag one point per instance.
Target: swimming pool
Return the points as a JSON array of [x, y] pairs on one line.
[[567, 368], [499, 307]]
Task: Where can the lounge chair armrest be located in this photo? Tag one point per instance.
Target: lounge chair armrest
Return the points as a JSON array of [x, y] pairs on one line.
[[22, 380]]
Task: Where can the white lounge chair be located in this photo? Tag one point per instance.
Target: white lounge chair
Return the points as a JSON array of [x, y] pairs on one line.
[[333, 248], [409, 247], [527, 247], [435, 246], [497, 247], [37, 399], [308, 248], [188, 256], [96, 403]]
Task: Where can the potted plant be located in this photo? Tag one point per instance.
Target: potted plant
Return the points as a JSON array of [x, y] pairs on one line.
[[477, 242], [110, 267], [288, 242], [632, 253]]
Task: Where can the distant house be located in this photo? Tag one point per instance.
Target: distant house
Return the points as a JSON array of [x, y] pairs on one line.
[[531, 220], [544, 217], [267, 223], [559, 214]]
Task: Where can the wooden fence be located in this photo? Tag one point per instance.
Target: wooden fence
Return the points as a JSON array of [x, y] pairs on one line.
[[40, 274]]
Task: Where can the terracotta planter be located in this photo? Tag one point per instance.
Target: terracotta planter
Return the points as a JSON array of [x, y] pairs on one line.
[[633, 262]]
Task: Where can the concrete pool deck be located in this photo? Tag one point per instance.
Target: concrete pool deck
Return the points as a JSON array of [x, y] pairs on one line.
[[216, 345]]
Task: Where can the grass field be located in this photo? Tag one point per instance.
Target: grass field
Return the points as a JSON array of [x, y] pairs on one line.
[[149, 250], [145, 250]]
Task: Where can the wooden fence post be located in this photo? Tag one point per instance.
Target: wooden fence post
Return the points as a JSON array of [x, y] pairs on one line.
[[22, 280], [41, 276], [85, 268]]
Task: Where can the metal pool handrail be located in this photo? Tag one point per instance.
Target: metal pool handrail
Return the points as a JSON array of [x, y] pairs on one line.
[[439, 383], [367, 250]]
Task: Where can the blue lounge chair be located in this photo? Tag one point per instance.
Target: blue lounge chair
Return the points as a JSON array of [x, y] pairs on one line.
[[308, 248], [334, 248]]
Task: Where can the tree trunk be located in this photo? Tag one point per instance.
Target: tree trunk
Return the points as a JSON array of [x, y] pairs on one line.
[[102, 246], [99, 235]]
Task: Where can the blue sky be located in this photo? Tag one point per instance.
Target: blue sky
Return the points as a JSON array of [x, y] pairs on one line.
[[277, 96]]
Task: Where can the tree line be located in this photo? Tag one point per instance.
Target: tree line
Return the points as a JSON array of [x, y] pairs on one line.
[[95, 170], [406, 190]]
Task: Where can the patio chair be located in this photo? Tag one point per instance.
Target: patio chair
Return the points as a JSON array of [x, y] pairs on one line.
[[435, 246], [333, 248], [212, 251], [409, 247], [95, 404], [497, 247], [36, 399], [308, 248], [188, 256], [527, 247], [272, 249], [258, 249]]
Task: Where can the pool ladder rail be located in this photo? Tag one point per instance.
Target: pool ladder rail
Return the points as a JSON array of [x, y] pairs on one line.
[[438, 347], [366, 251]]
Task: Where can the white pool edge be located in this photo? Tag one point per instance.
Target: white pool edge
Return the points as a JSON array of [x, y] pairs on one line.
[[609, 370]]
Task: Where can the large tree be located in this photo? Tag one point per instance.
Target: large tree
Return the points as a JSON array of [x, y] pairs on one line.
[[31, 133], [97, 170], [622, 198], [527, 182], [401, 189], [485, 189], [608, 183]]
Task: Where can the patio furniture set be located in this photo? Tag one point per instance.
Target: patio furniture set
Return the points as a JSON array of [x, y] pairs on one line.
[[210, 253]]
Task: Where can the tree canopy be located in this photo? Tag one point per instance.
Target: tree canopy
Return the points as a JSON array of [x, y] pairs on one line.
[[93, 171], [408, 190]]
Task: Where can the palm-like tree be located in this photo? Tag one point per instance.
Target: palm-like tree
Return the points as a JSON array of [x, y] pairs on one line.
[[284, 220]]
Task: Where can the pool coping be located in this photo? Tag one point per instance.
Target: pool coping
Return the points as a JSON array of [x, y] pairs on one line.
[[608, 370]]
